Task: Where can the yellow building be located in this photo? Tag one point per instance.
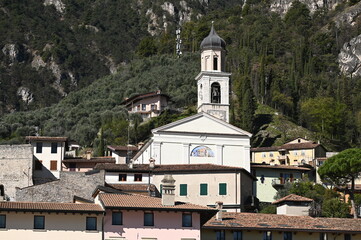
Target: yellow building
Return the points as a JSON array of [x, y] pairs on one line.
[[294, 153]]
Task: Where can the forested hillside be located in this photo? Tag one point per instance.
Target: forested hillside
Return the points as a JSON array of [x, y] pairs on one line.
[[288, 62]]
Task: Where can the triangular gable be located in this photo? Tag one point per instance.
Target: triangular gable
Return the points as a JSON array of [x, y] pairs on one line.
[[202, 123]]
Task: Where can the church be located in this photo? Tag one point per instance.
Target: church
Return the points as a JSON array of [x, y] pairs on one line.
[[206, 137]]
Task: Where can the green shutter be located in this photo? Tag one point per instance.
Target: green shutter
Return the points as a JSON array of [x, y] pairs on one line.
[[183, 189], [204, 189], [223, 189], [161, 189]]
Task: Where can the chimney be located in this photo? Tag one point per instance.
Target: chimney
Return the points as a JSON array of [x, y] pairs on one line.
[[219, 206], [151, 163], [130, 165], [168, 187]]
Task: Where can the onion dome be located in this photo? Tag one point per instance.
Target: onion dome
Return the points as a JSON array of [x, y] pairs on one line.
[[213, 41]]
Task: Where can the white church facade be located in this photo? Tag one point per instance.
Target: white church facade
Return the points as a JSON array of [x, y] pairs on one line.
[[205, 137]]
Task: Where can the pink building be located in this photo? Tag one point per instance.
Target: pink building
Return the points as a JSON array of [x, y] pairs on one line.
[[148, 104], [142, 217]]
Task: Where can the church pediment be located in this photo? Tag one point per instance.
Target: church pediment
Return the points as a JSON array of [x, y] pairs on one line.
[[202, 123]]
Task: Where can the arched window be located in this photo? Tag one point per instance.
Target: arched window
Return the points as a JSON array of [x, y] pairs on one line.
[[202, 151], [215, 93]]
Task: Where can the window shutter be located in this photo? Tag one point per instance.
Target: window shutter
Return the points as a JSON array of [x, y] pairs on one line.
[[183, 189], [204, 189], [223, 189]]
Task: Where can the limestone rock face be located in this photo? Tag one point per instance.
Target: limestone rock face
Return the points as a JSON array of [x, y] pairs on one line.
[[11, 51], [348, 16], [58, 4], [282, 6], [25, 94], [349, 58]]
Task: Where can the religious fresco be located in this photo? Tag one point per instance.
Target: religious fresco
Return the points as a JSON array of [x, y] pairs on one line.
[[202, 151]]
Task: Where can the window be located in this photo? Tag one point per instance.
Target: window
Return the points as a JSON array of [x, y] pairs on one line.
[[53, 165], [346, 237], [203, 189], [54, 147], [38, 165], [287, 236], [262, 179], [263, 155], [237, 235], [295, 153], [215, 63], [223, 189], [138, 108], [153, 107], [144, 107], [148, 219], [39, 147], [303, 152], [216, 93], [182, 189], [323, 236], [2, 221], [267, 235], [117, 218], [187, 220], [91, 223], [39, 222], [122, 177], [271, 154], [221, 235], [137, 177]]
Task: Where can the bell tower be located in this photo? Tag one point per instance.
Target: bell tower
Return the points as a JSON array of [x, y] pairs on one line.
[[213, 81]]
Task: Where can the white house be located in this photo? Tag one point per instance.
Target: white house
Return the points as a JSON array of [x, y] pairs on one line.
[[48, 155]]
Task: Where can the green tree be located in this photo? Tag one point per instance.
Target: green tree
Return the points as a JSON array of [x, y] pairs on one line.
[[343, 169], [335, 208]]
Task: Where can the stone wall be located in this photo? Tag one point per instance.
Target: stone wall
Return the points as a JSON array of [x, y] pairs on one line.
[[63, 190], [16, 167]]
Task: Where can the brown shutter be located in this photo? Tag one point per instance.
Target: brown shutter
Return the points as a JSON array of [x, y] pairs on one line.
[[53, 165]]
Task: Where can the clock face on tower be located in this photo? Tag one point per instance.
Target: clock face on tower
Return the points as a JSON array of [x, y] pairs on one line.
[[221, 114]]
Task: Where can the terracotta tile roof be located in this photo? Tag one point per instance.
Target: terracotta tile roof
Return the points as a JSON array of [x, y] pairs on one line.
[[91, 160], [285, 167], [46, 139], [258, 221], [133, 187], [123, 148], [137, 201], [287, 146], [171, 168], [128, 101], [50, 207], [293, 198]]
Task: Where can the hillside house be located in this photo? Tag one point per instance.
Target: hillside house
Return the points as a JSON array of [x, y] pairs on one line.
[[148, 105], [294, 153], [122, 154]]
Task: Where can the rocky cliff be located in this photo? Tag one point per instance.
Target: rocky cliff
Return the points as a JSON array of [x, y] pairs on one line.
[[282, 6]]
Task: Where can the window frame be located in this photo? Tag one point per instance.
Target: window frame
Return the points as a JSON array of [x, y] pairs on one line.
[[138, 177], [3, 221], [88, 226], [347, 236], [287, 235], [220, 235], [237, 235], [117, 218], [203, 189], [222, 189], [54, 147], [183, 189], [122, 177], [40, 218], [39, 147], [53, 165], [144, 107], [145, 222], [186, 221], [266, 236]]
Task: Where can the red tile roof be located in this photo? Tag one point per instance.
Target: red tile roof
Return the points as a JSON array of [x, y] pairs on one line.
[[287, 146], [91, 160], [285, 167], [123, 148], [133, 187], [50, 207], [262, 222], [171, 168], [46, 139], [137, 201], [293, 198], [128, 101]]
